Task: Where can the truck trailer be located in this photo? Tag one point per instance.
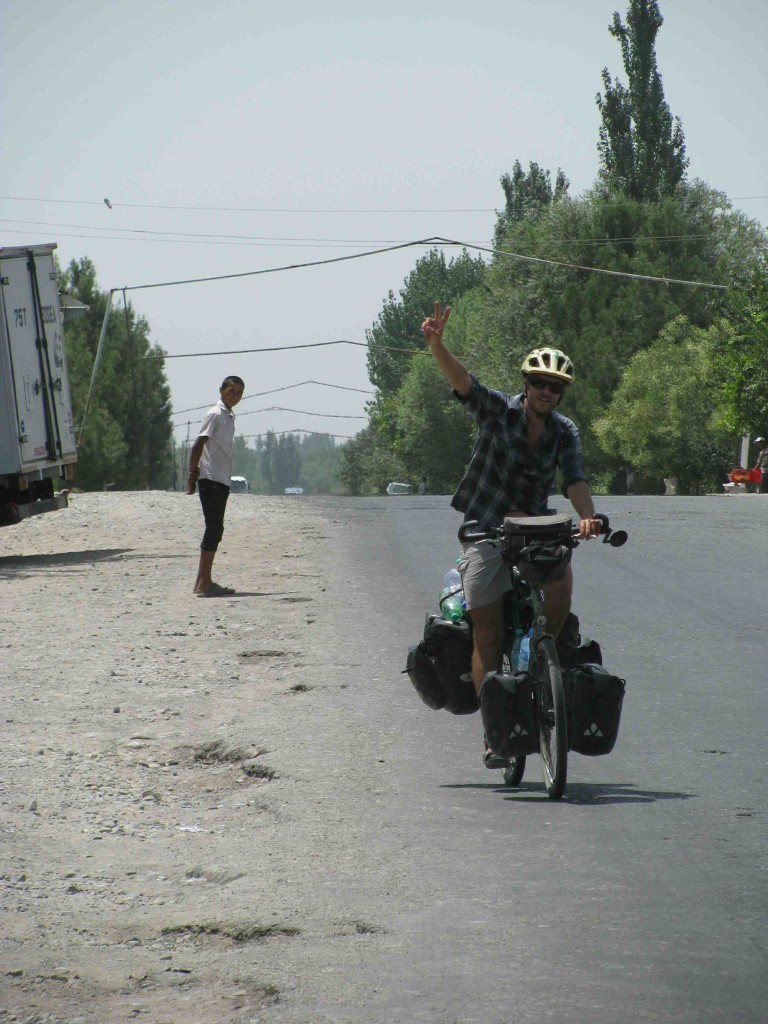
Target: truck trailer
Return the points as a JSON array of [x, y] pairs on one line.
[[37, 431]]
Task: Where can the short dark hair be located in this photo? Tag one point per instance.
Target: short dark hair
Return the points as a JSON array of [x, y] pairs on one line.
[[232, 380]]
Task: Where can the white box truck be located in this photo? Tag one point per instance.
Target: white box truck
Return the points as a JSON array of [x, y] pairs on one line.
[[37, 432]]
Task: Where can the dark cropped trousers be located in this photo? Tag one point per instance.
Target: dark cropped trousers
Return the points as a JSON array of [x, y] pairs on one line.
[[213, 498]]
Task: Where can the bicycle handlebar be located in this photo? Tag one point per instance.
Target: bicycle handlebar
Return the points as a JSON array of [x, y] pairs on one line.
[[613, 537]]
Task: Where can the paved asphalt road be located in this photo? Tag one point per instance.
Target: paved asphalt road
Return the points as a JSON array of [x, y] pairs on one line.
[[641, 896]]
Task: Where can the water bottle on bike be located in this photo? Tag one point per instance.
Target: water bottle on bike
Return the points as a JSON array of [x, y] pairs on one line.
[[452, 605]]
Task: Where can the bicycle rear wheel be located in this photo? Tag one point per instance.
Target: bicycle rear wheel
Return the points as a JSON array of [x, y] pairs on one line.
[[549, 699]]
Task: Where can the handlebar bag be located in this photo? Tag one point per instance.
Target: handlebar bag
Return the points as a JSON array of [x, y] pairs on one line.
[[449, 646], [594, 698], [506, 707], [540, 546]]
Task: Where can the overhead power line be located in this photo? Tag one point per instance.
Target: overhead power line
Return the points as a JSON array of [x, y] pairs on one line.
[[303, 412], [218, 238], [434, 240], [272, 391], [116, 204]]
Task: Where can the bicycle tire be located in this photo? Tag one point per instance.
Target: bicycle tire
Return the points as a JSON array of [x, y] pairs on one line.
[[551, 717], [513, 773]]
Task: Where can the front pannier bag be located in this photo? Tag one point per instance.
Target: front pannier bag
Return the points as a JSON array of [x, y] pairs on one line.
[[440, 667], [594, 699]]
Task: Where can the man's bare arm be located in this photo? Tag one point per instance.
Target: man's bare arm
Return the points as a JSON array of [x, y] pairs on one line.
[[581, 499], [451, 368]]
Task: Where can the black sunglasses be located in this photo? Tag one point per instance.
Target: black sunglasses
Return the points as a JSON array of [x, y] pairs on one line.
[[540, 383]]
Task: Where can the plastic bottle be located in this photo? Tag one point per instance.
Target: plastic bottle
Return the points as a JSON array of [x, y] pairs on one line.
[[515, 655], [452, 579], [452, 604], [525, 652]]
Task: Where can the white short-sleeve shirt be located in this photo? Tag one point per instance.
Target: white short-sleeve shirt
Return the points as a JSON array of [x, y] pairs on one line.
[[216, 460]]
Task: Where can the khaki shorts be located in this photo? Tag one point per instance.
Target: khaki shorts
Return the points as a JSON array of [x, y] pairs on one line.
[[484, 574]]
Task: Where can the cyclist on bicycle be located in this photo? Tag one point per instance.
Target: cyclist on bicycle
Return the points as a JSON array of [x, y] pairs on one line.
[[521, 441]]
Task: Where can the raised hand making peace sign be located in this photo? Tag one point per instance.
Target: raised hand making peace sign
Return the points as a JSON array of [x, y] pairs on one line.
[[434, 326]]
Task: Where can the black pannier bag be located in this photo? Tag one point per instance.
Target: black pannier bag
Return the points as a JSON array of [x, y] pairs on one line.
[[506, 707], [540, 546], [440, 667], [572, 650], [594, 699], [423, 674]]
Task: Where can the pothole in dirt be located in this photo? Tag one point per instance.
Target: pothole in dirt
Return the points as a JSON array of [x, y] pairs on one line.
[[249, 655], [235, 932]]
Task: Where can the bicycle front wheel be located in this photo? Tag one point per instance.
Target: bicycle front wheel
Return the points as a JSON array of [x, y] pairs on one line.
[[549, 698]]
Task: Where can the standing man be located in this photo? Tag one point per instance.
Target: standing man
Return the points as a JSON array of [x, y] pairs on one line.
[[210, 469], [521, 441]]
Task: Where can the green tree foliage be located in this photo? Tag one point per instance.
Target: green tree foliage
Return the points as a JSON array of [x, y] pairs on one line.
[[370, 461], [280, 462], [397, 327], [741, 358], [667, 416], [381, 453], [526, 195], [311, 462], [320, 462], [642, 150], [127, 438], [435, 432], [602, 320]]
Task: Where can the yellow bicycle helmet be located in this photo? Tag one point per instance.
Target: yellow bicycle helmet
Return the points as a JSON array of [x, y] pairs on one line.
[[550, 361]]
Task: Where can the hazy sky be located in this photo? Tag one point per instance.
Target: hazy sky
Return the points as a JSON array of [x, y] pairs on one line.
[[240, 136]]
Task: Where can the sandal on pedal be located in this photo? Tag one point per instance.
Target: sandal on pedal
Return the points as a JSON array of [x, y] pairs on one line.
[[491, 760]]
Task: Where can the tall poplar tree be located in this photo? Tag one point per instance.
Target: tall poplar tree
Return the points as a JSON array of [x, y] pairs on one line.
[[126, 442], [642, 148]]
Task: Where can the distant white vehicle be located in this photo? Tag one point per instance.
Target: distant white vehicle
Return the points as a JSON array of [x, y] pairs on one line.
[[238, 485], [396, 488], [294, 490]]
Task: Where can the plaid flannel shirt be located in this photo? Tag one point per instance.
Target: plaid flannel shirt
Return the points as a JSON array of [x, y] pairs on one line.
[[502, 473]]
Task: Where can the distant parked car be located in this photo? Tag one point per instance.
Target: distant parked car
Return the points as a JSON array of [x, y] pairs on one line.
[[395, 488], [238, 485], [294, 490]]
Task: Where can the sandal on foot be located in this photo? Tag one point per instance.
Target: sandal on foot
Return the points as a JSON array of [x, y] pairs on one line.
[[216, 590], [491, 760]]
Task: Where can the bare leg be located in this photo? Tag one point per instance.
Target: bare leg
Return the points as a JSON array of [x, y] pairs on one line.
[[203, 581], [557, 602], [488, 633]]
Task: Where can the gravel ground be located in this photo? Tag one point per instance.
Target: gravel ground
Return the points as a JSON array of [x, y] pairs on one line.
[[180, 801]]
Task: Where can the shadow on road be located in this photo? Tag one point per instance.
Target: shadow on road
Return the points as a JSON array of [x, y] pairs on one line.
[[618, 793], [594, 793], [13, 564]]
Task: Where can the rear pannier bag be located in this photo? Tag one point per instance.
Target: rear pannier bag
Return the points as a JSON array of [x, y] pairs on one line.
[[506, 707], [440, 667], [572, 650], [594, 699]]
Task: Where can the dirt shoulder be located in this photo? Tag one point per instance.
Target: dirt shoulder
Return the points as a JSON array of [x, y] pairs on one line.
[[179, 789]]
